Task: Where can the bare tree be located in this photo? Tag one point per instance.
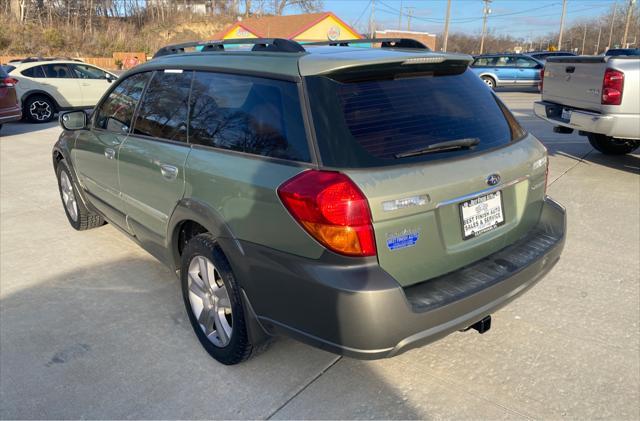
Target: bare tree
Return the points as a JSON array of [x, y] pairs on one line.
[[305, 5]]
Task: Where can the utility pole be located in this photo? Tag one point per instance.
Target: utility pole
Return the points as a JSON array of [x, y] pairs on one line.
[[613, 20], [584, 38], [372, 19], [485, 13], [400, 17], [598, 44], [409, 15], [626, 25], [446, 27], [564, 11]]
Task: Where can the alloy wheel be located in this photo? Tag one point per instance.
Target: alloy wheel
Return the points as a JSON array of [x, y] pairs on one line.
[[68, 196], [40, 110], [210, 301]]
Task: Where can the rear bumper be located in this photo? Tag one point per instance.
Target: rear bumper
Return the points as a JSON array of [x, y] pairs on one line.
[[10, 114], [356, 309], [623, 126]]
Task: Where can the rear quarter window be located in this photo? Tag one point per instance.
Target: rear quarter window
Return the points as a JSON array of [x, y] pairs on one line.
[[35, 72], [371, 123], [248, 114]]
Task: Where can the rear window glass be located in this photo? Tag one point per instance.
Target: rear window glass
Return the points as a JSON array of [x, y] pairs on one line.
[[35, 71], [375, 123], [58, 71], [485, 61], [248, 114]]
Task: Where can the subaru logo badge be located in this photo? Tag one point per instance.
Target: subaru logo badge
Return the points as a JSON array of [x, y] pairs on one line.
[[493, 179]]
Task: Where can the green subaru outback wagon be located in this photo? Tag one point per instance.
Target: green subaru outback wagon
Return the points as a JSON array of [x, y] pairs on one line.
[[362, 200]]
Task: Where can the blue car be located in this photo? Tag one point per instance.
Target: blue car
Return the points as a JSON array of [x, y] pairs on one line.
[[497, 70]]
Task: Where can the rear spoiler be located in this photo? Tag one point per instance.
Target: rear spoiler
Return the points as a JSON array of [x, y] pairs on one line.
[[432, 64], [405, 43]]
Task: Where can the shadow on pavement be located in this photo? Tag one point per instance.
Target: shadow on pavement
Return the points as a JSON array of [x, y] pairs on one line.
[[21, 127], [113, 341], [629, 163]]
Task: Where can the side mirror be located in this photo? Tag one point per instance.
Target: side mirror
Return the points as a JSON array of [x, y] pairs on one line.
[[110, 78], [73, 120]]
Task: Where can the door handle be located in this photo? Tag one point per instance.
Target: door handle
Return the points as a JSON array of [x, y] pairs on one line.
[[109, 153], [169, 171], [570, 69]]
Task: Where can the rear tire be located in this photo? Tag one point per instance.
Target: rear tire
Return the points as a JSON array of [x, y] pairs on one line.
[[213, 302], [610, 146], [489, 81], [77, 213], [39, 109]]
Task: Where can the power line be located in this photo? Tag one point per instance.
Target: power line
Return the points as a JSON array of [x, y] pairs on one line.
[[469, 19], [362, 13]]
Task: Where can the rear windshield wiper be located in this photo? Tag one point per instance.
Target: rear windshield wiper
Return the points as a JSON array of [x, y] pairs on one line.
[[450, 145]]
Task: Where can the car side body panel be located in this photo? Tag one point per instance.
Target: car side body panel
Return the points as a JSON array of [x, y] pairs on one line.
[[244, 191]]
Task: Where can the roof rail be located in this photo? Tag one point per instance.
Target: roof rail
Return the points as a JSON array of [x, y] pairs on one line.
[[280, 45], [36, 59], [409, 43]]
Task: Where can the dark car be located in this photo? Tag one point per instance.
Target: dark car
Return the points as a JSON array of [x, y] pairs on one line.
[[9, 106]]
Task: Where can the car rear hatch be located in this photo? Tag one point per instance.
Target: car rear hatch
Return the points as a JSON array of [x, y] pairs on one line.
[[574, 81], [433, 211]]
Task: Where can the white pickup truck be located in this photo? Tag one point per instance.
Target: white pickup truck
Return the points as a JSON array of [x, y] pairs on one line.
[[596, 95]]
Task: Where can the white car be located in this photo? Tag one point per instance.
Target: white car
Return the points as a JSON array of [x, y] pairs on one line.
[[48, 86]]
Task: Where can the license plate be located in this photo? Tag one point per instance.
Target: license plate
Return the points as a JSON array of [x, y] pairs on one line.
[[482, 214], [566, 114]]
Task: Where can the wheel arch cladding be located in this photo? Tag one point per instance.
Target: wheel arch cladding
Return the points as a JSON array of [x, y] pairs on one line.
[[30, 94], [192, 217]]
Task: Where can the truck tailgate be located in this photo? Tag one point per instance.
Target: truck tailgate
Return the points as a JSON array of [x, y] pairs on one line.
[[574, 82]]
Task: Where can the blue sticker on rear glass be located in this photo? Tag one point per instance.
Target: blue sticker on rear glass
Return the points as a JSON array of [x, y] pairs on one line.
[[403, 239]]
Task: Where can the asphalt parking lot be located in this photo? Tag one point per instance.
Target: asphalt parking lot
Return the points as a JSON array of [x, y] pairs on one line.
[[91, 326]]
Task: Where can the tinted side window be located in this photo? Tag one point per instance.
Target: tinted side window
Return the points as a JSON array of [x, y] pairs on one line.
[[526, 62], [165, 106], [505, 61], [83, 71], [116, 112], [248, 114], [33, 72], [484, 61], [57, 71]]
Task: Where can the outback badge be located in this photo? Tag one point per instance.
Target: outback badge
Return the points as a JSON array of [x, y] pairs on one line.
[[493, 179]]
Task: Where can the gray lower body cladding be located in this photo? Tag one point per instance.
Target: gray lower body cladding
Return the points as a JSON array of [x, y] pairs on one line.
[[353, 307]]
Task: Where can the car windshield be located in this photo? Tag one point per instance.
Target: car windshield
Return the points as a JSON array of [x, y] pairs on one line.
[[383, 122]]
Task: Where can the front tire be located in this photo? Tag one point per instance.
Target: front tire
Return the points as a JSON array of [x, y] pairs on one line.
[[39, 109], [212, 300], [77, 213], [610, 146]]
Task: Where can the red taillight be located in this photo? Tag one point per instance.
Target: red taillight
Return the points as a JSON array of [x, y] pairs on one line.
[[541, 79], [332, 209], [612, 87], [8, 82]]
